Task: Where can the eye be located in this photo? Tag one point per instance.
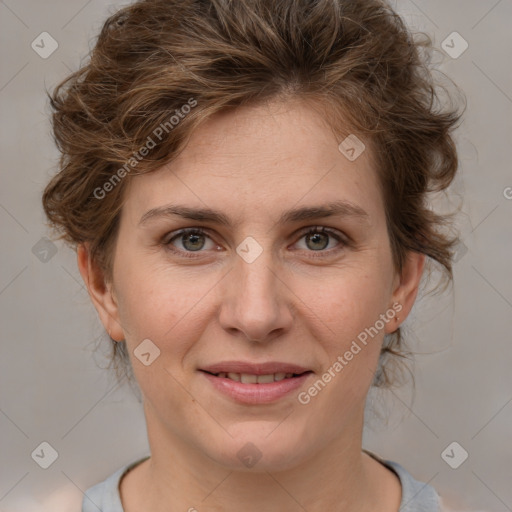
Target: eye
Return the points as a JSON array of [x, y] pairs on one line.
[[190, 239], [193, 240], [318, 238]]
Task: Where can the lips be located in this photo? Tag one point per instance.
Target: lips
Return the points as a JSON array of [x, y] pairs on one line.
[[255, 383]]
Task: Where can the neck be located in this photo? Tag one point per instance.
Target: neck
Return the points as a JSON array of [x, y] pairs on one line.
[[178, 476]]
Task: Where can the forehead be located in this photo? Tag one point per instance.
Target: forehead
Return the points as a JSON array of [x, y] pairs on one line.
[[257, 161]]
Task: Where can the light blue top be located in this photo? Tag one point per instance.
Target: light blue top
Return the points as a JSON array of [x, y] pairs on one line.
[[416, 496]]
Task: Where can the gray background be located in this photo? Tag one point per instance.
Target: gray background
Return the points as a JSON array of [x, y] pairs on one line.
[[53, 388]]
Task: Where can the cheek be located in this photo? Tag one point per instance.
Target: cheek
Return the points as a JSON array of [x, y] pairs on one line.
[[345, 302], [345, 318], [163, 304], [147, 297]]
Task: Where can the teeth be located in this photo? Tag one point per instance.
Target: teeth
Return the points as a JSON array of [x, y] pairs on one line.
[[264, 379], [247, 378]]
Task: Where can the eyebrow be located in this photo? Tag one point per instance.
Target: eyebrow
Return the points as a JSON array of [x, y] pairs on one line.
[[336, 208]]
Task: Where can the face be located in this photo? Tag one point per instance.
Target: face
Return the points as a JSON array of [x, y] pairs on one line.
[[269, 286]]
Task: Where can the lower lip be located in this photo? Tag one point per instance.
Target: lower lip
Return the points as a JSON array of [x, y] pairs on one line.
[[256, 393]]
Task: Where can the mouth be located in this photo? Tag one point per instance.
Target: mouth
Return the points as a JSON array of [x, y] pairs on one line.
[[250, 383], [251, 378]]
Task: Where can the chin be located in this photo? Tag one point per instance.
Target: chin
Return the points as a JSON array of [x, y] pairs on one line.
[[260, 447]]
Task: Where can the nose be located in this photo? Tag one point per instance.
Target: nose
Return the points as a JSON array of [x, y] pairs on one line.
[[256, 300]]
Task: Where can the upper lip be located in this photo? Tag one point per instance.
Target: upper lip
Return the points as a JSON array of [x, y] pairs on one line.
[[254, 368]]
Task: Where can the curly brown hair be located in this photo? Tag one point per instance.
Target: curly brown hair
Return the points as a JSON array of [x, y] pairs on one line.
[[356, 60]]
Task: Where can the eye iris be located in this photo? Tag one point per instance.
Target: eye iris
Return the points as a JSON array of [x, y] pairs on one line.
[[315, 238], [193, 237]]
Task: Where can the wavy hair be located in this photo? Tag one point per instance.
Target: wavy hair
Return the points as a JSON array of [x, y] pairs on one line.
[[354, 59]]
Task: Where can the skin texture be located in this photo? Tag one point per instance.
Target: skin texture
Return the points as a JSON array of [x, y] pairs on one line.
[[292, 304]]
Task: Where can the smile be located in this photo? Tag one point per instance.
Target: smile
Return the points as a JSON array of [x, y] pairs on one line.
[[255, 388], [248, 378]]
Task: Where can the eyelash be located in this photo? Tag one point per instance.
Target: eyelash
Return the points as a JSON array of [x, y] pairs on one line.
[[167, 240]]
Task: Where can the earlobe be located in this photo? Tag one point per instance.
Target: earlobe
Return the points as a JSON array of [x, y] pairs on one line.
[[100, 292], [406, 290]]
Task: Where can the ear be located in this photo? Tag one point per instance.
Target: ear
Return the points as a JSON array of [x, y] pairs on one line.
[[101, 293], [406, 287]]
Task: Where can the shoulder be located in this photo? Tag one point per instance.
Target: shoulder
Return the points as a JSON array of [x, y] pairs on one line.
[[416, 496], [105, 496]]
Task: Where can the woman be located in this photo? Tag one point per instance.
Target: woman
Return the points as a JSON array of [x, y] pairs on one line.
[[246, 186]]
